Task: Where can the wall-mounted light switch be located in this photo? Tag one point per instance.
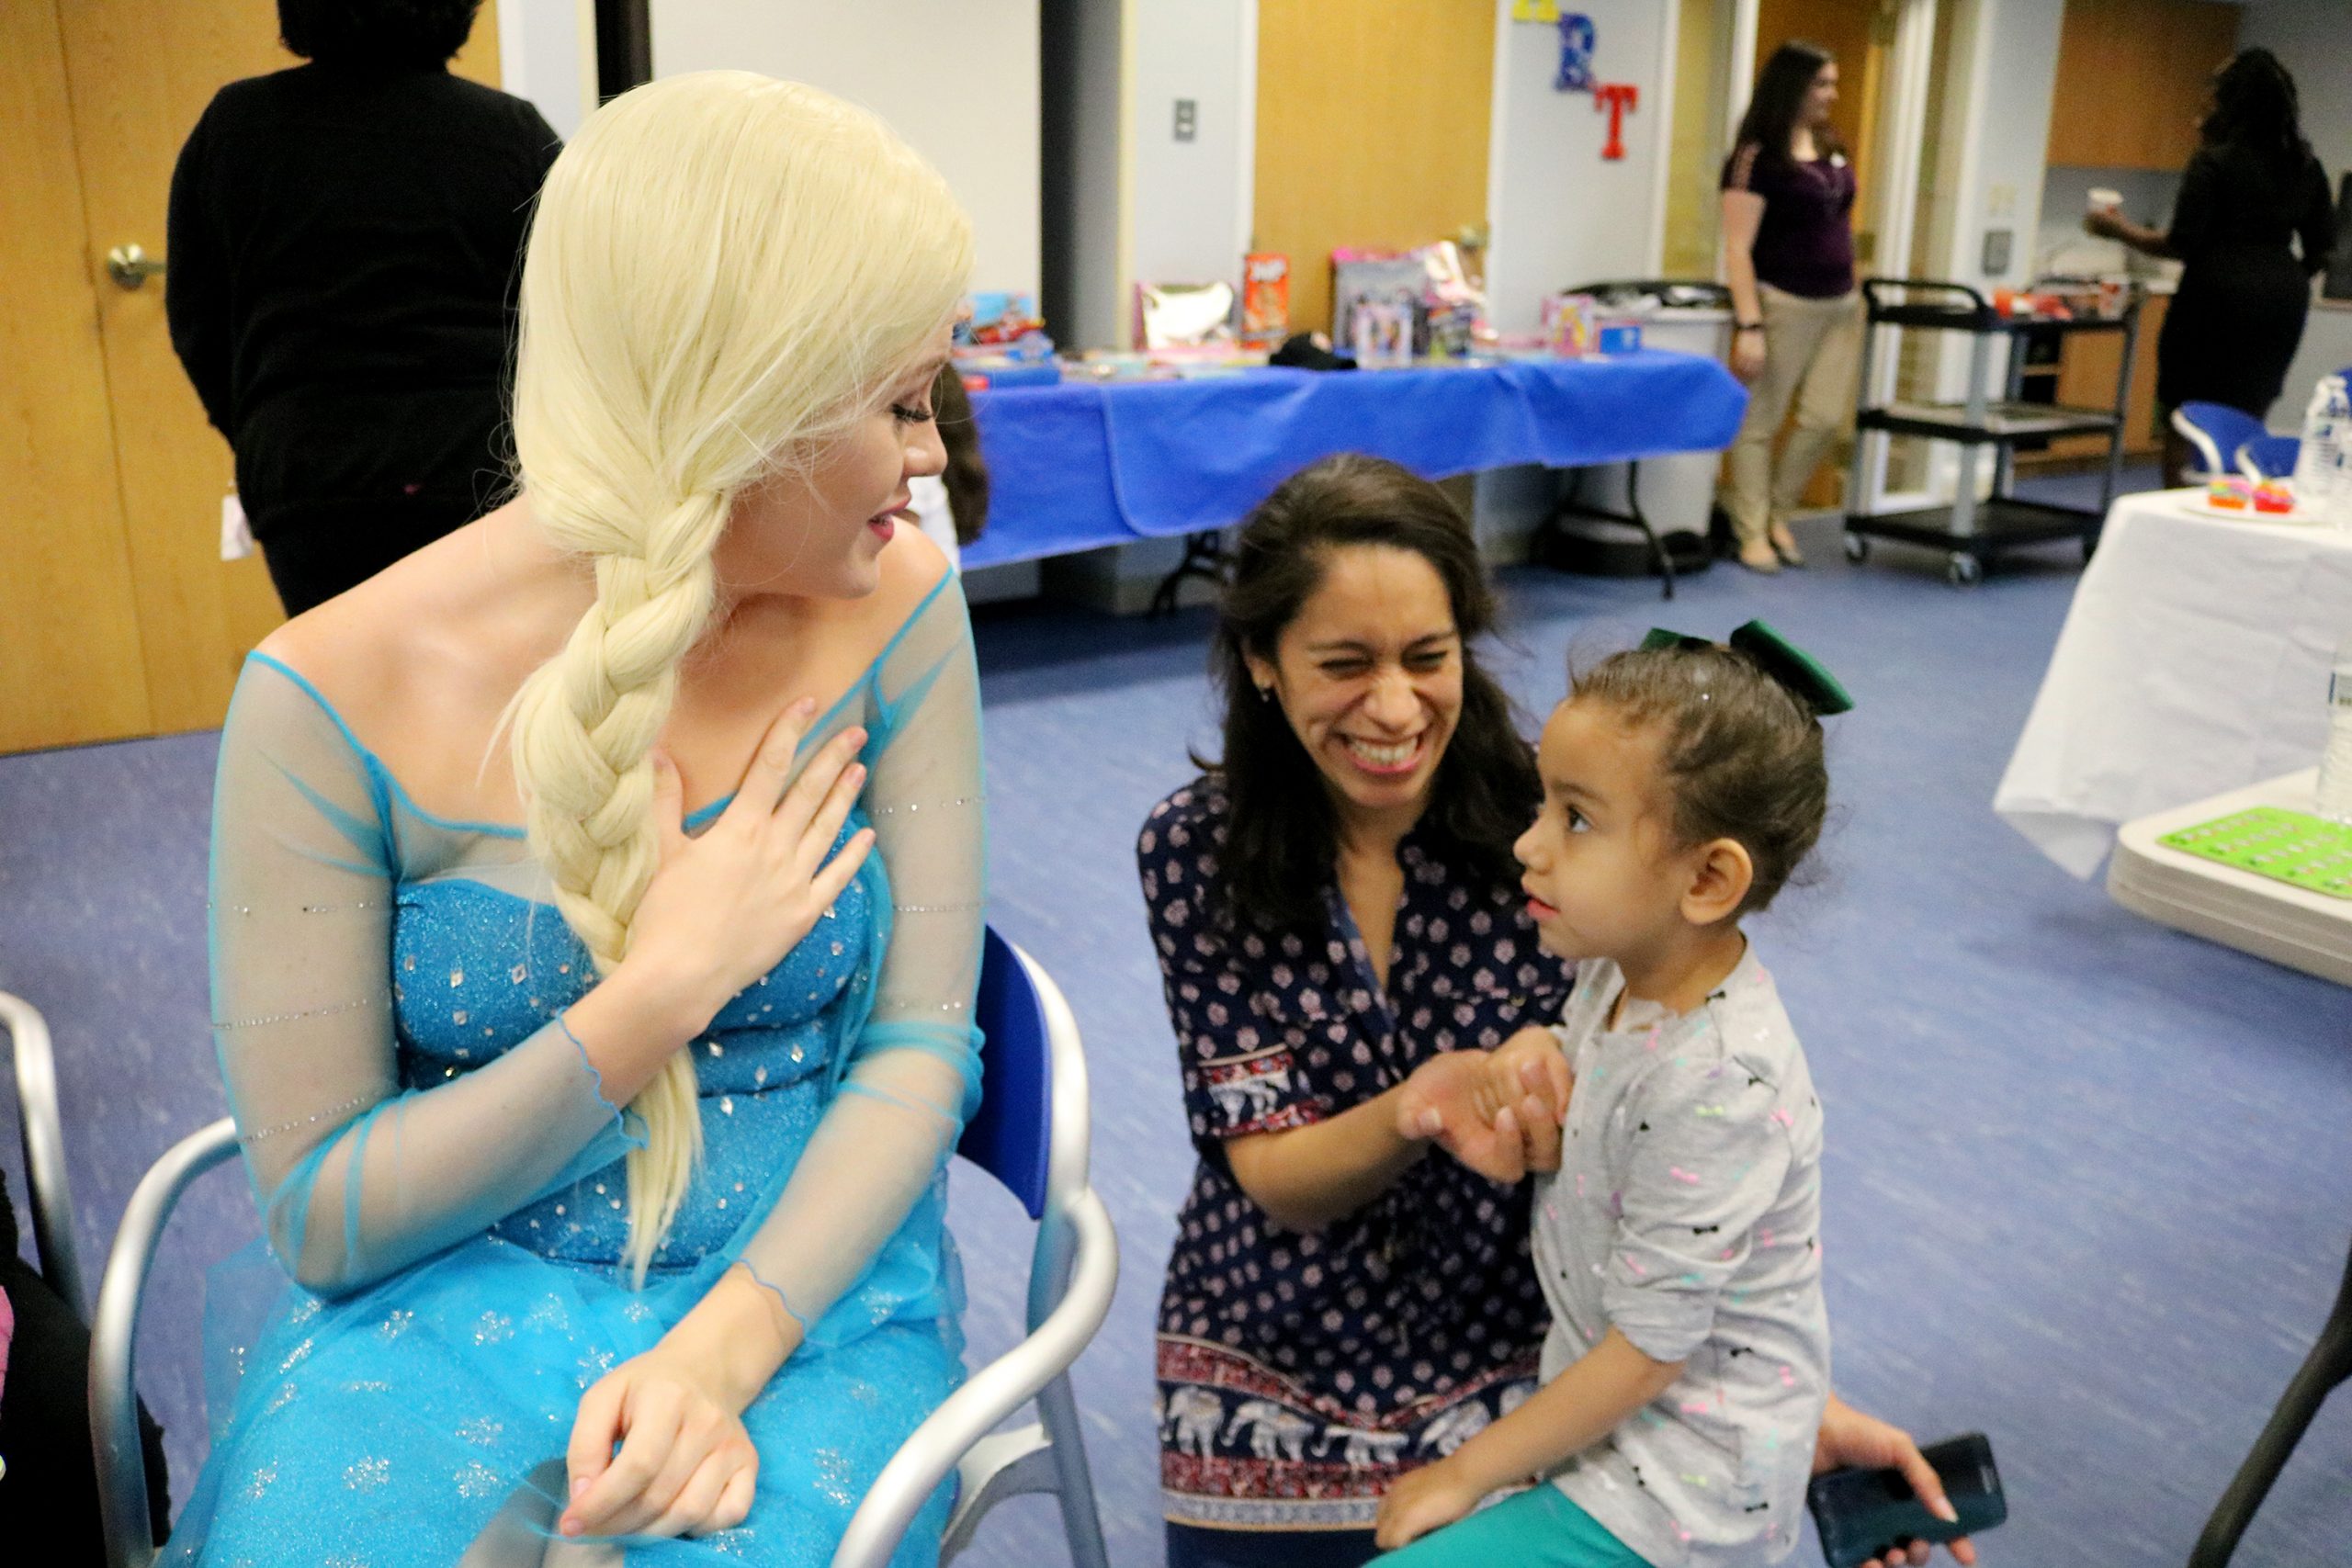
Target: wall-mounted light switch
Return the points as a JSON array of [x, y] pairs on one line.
[[1996, 251], [1188, 119]]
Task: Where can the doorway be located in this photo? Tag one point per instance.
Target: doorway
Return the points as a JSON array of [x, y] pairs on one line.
[[118, 615], [1895, 58]]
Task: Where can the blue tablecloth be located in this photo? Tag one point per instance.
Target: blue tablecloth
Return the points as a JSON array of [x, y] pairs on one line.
[[1082, 464]]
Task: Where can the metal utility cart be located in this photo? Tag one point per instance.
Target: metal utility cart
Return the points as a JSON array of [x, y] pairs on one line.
[[1971, 531]]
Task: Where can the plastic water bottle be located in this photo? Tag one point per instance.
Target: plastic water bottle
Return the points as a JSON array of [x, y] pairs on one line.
[[2338, 510], [2336, 759], [2322, 475]]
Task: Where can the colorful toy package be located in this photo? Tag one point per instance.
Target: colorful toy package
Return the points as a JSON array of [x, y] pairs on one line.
[[1381, 335], [1571, 323], [1428, 283], [1360, 277], [1183, 315], [1000, 316], [1265, 298]]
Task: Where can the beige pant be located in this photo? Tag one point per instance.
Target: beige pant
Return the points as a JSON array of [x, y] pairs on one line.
[[1813, 350]]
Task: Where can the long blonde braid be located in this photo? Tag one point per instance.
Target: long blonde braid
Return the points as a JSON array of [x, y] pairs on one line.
[[725, 273]]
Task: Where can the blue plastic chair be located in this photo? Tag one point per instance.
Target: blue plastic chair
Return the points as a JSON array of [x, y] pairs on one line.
[[2217, 430], [2269, 456], [1031, 1133]]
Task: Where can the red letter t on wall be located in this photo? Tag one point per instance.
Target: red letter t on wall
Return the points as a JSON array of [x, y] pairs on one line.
[[1619, 98]]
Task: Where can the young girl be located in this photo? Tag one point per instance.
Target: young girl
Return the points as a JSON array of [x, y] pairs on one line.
[[1688, 1362]]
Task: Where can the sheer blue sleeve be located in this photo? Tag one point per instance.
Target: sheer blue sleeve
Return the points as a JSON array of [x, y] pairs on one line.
[[356, 1178], [911, 1074]]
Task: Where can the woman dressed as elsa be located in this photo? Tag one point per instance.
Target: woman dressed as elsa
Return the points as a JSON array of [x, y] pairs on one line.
[[597, 903]]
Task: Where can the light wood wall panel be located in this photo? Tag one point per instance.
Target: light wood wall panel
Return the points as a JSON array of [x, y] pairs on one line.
[[1373, 123], [71, 666], [137, 74], [2133, 76]]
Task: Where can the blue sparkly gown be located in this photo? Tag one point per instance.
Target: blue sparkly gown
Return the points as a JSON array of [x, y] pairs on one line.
[[441, 1175]]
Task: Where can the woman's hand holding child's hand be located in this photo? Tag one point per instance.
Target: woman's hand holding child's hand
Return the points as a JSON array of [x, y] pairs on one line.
[[1499, 1112], [1423, 1500], [1531, 1064]]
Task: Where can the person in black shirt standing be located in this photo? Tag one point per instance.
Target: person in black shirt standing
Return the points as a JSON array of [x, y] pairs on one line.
[[1788, 205], [2251, 192], [344, 238]]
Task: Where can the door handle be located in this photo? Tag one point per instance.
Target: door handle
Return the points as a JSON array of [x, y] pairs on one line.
[[130, 267]]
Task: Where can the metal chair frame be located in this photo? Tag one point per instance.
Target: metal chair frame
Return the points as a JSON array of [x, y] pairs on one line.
[[1073, 1271], [2267, 457], [114, 1394], [42, 1130], [2327, 1367]]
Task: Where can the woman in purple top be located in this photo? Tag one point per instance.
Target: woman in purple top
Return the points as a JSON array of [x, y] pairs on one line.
[[1788, 203], [1342, 938]]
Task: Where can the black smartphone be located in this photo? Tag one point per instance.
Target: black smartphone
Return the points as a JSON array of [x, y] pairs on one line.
[[1864, 1514]]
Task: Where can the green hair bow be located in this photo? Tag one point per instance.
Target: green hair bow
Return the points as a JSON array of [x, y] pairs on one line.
[[1791, 666]]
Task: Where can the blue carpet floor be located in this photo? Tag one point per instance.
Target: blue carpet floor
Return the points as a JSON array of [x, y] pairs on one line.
[[2088, 1179]]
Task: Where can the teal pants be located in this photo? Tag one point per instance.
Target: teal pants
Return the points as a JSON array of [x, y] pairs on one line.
[[1538, 1529]]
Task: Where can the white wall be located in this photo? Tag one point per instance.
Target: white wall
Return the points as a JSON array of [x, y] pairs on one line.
[[1189, 202], [2005, 133], [2313, 40], [956, 78], [2063, 246], [1560, 215], [546, 53]]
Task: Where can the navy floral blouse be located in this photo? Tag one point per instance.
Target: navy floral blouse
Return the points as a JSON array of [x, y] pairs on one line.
[[1299, 1373]]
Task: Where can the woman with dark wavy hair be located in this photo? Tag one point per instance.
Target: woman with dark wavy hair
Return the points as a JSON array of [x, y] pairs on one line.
[[344, 238], [1339, 926], [2252, 193], [1343, 940]]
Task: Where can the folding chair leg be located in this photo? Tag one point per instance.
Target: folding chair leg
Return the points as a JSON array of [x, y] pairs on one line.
[[1082, 1523], [2328, 1365]]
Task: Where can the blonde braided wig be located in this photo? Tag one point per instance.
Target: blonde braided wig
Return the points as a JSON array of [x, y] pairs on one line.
[[725, 273]]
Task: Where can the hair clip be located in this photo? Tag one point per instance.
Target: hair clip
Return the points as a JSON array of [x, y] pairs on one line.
[[1783, 661]]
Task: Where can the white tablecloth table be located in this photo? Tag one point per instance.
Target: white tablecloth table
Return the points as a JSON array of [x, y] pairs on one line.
[[2194, 661]]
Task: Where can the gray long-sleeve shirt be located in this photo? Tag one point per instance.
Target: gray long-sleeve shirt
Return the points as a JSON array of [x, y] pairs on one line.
[[1687, 1215]]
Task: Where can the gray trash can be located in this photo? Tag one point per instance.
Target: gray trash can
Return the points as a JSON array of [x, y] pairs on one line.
[[1676, 492]]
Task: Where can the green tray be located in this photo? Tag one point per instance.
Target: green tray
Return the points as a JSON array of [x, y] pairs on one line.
[[2292, 847]]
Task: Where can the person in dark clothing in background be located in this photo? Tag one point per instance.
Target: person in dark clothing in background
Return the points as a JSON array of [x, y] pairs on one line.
[[344, 238], [49, 1489], [2251, 192]]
